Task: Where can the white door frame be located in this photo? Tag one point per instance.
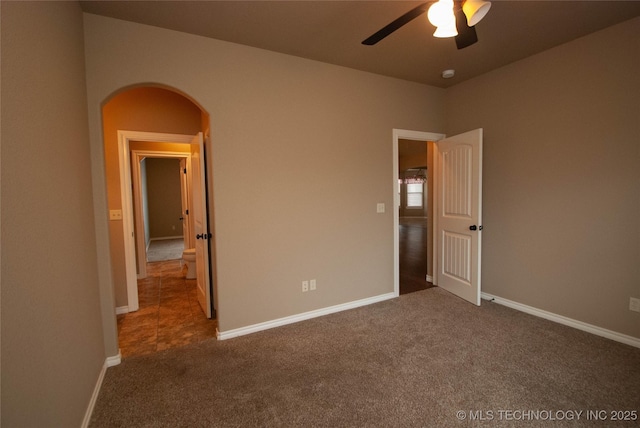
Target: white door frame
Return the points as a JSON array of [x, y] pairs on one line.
[[185, 190], [137, 156], [404, 134], [124, 140]]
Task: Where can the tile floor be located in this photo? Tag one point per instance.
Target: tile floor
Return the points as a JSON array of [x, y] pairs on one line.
[[169, 314]]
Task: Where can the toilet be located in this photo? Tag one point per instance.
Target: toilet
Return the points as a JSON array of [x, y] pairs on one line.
[[189, 258]]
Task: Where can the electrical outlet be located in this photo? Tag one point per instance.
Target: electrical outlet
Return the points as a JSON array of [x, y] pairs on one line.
[[634, 304], [305, 286], [312, 285], [115, 214]]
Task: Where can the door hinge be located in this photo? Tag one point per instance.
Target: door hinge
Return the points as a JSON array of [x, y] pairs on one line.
[[184, 170]]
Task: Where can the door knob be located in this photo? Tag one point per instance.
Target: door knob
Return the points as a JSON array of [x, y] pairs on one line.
[[203, 236], [474, 227]]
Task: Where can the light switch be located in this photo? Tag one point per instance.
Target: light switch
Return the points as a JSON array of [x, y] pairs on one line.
[[380, 208], [115, 214]]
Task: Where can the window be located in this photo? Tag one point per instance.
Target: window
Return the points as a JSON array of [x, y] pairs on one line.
[[414, 195]]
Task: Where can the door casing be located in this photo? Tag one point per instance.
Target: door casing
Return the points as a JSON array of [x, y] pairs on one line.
[[426, 136], [124, 141], [404, 134], [136, 157]]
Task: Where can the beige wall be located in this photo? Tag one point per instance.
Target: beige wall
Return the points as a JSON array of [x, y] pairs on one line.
[[52, 334], [164, 197], [145, 109], [561, 176], [285, 136]]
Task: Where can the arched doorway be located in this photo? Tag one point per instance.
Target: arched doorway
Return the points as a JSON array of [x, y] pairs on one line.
[[155, 309]]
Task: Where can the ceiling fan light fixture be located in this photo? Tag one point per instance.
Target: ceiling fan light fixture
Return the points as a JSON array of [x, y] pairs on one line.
[[441, 13], [448, 18], [475, 10], [448, 30], [442, 17]]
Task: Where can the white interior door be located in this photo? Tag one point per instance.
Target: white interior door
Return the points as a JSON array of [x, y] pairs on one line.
[[459, 214], [199, 218]]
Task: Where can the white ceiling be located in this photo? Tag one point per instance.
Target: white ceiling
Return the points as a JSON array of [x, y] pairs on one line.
[[332, 31]]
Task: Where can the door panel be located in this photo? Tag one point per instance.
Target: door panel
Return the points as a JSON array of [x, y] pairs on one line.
[[459, 214], [456, 261]]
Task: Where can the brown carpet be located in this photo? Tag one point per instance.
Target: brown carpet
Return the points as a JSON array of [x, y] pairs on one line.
[[414, 361]]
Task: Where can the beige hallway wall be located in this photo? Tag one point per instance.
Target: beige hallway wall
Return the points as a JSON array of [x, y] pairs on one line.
[[561, 177], [164, 195]]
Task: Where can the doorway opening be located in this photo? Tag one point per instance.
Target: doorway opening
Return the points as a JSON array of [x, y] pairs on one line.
[[413, 154], [457, 208], [164, 211], [198, 211], [415, 214], [174, 128], [161, 197]]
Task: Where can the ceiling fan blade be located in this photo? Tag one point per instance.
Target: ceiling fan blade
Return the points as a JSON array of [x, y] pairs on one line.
[[466, 35], [393, 26]]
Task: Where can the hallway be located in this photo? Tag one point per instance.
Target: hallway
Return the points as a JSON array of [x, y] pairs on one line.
[[169, 315]]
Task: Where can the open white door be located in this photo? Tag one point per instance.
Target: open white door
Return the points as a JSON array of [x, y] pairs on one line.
[[199, 218], [458, 214]]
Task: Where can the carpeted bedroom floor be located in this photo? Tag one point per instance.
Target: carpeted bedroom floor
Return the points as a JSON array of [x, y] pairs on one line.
[[425, 359]]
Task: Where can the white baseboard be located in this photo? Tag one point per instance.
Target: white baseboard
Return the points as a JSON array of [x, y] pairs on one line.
[[110, 361], [429, 278], [589, 328], [223, 335], [122, 310], [115, 360], [164, 238]]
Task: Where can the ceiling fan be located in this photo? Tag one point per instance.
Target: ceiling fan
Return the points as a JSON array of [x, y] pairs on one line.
[[451, 19]]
